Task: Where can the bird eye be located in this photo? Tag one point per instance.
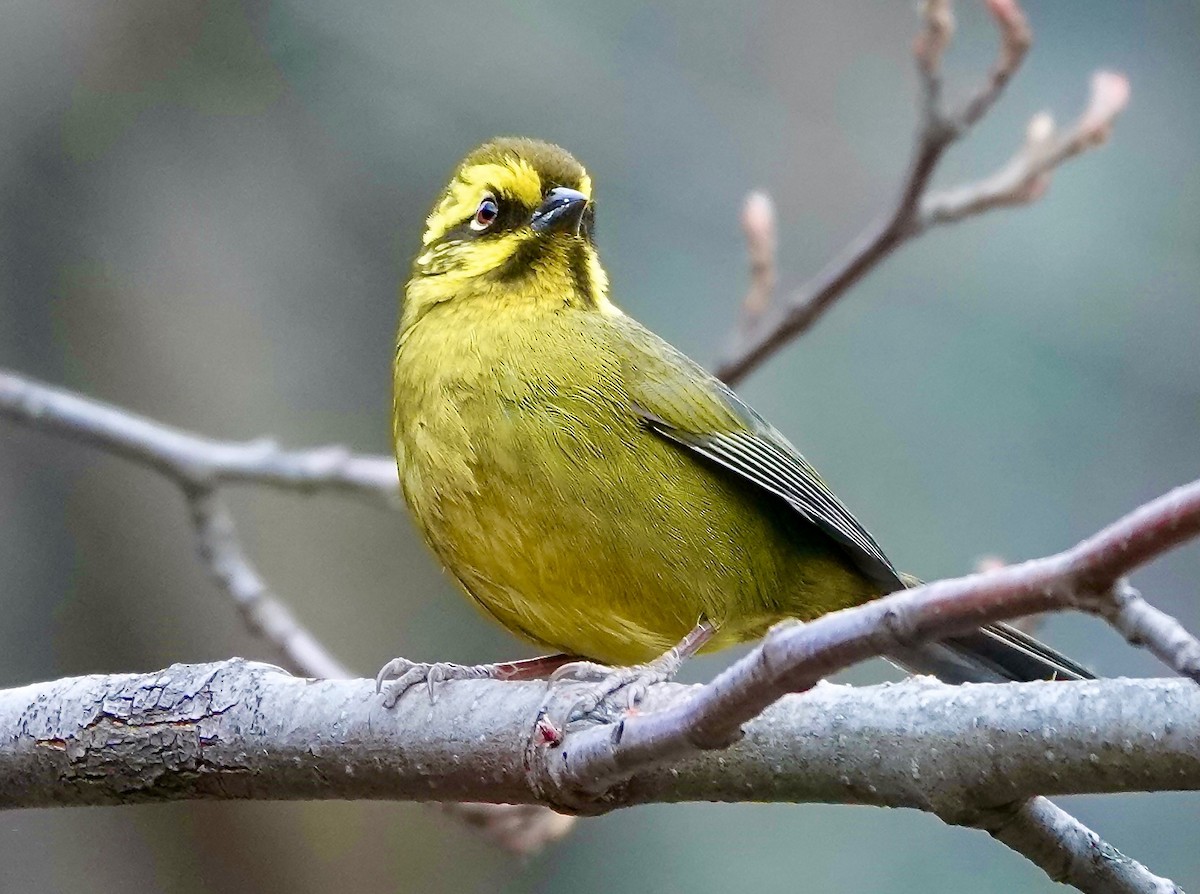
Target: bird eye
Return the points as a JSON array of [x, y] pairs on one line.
[[485, 214]]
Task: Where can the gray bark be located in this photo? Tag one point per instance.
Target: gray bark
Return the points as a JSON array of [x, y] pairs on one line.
[[237, 729]]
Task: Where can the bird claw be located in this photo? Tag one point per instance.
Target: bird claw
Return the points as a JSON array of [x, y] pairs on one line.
[[400, 675], [581, 672], [607, 694]]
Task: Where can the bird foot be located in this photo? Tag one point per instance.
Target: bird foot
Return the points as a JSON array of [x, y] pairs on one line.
[[399, 675], [608, 693]]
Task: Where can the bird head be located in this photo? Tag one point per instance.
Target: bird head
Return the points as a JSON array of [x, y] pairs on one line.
[[515, 222]]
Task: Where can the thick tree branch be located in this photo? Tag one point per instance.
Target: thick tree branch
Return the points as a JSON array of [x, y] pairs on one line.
[[237, 729], [915, 209]]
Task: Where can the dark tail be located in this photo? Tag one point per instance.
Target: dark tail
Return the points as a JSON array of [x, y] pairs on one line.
[[998, 653]]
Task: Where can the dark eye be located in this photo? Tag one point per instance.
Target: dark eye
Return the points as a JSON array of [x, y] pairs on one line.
[[485, 214]]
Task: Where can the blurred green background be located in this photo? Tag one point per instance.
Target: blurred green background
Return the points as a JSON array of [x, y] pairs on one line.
[[206, 209]]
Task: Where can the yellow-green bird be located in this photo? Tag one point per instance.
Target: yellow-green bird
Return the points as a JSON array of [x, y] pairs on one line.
[[589, 486]]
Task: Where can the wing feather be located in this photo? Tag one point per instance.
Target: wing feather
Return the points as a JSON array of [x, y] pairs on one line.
[[686, 406], [702, 416]]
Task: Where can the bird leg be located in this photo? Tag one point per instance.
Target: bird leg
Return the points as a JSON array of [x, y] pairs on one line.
[[399, 675], [614, 690]]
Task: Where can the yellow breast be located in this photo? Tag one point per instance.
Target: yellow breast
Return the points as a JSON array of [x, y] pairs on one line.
[[562, 516]]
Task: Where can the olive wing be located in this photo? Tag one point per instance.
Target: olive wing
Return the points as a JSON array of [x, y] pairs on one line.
[[687, 406], [676, 399]]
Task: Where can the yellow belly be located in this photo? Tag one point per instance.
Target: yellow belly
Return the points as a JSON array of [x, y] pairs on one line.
[[569, 521]]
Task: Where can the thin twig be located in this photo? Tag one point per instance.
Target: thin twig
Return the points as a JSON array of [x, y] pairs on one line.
[[1026, 177], [1069, 851], [758, 225], [913, 211], [1026, 624], [1144, 625], [189, 459], [266, 616], [1015, 39]]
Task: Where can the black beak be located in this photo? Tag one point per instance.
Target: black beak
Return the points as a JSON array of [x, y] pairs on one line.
[[560, 212]]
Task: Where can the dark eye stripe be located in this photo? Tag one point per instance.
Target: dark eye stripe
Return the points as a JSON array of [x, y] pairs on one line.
[[510, 215]]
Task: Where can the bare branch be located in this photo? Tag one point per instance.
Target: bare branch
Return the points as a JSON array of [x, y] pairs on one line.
[[930, 45], [758, 223], [1028, 623], [1015, 39], [1144, 625], [913, 212], [1027, 175], [1069, 851], [190, 459], [239, 729], [198, 465], [268, 618]]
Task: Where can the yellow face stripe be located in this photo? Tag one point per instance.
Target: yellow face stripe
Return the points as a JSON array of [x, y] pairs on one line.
[[513, 178], [483, 257]]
